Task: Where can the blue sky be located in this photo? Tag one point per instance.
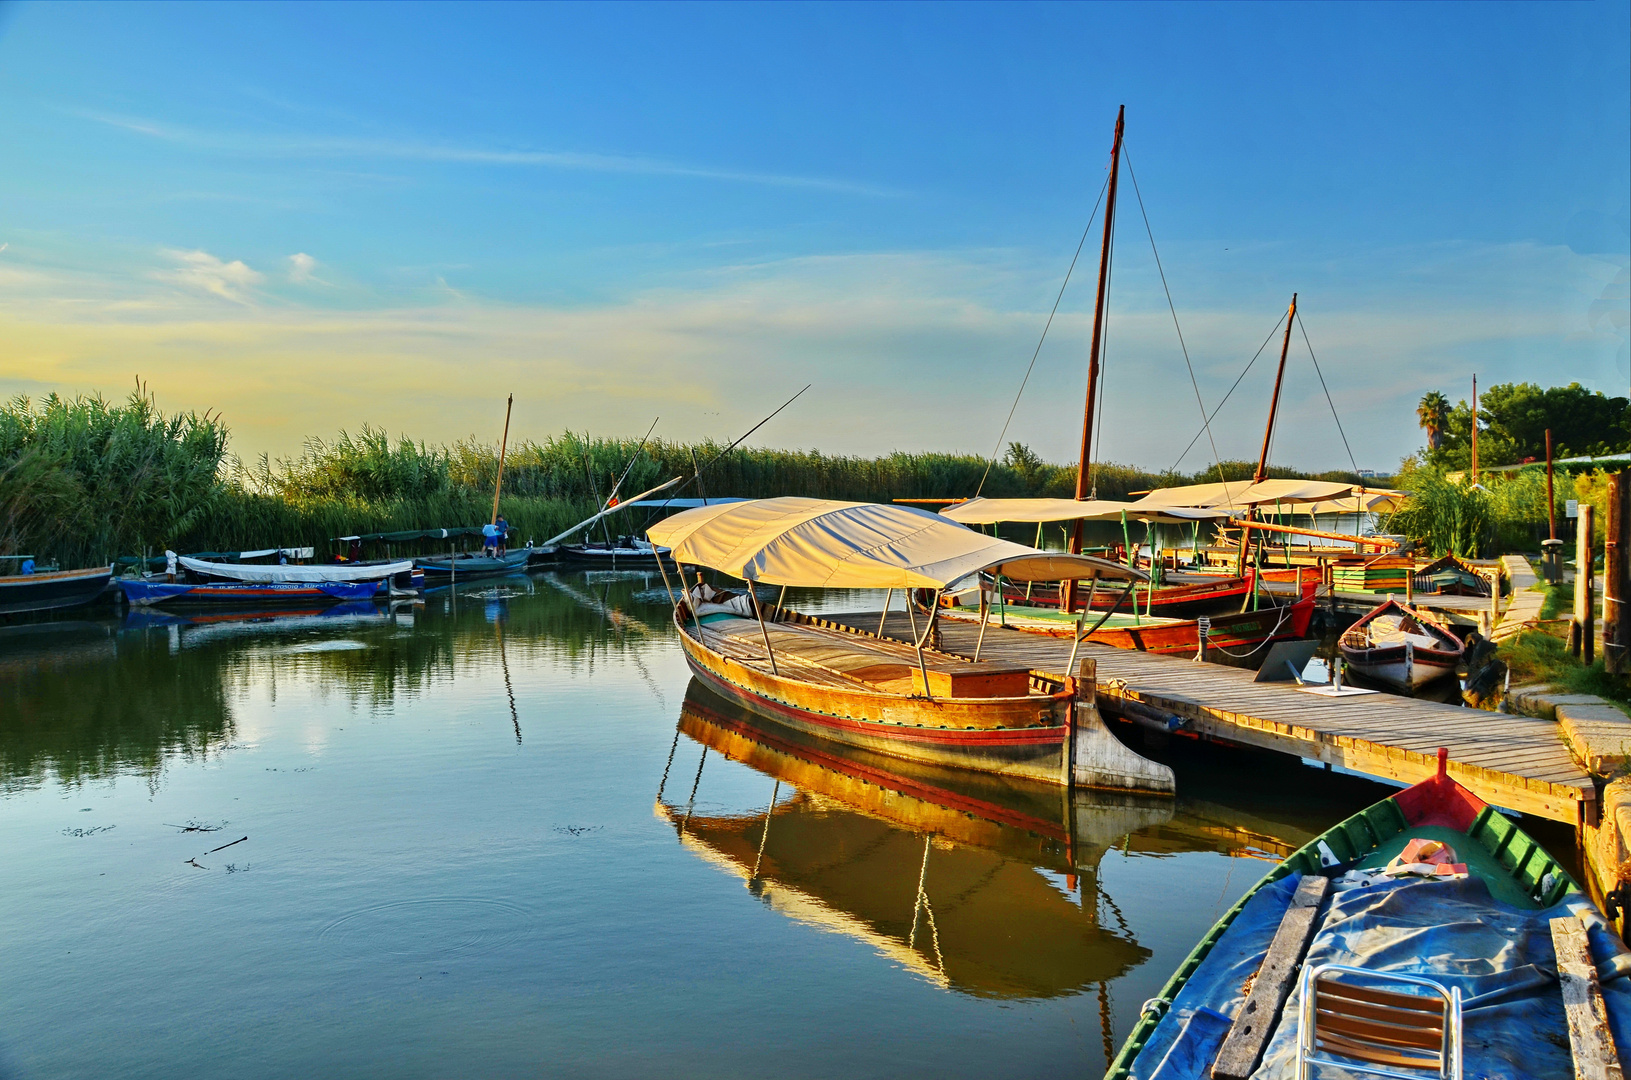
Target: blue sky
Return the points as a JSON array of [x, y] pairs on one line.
[[316, 216]]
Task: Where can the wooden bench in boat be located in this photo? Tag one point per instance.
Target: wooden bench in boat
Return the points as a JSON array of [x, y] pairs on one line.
[[837, 657]]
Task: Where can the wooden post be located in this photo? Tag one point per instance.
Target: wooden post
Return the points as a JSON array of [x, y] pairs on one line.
[[1616, 547], [1067, 589], [503, 442], [1582, 629], [1475, 430]]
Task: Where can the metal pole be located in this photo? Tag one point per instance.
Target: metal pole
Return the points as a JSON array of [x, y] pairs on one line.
[[888, 596], [1067, 589], [1475, 430], [985, 613], [764, 631]]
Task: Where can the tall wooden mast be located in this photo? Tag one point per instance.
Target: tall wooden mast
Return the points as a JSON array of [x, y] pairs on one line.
[[503, 444], [1262, 472], [1082, 470]]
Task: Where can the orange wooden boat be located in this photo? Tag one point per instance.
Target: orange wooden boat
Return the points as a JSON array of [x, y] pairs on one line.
[[863, 690]]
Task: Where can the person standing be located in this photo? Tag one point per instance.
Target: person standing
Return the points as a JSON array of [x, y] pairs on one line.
[[502, 536]]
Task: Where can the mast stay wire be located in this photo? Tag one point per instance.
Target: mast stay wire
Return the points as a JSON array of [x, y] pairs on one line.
[[1206, 421], [1327, 390], [1038, 351], [1232, 388]]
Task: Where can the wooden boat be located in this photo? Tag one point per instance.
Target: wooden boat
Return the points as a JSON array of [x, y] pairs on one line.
[[142, 593], [399, 572], [1477, 920], [52, 590], [874, 693], [465, 566], [1241, 631], [1184, 599], [1400, 646], [625, 553]]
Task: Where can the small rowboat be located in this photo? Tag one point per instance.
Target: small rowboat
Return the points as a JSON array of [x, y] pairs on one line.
[[1401, 647], [1431, 890], [52, 589], [863, 690], [465, 566], [295, 573], [143, 593]]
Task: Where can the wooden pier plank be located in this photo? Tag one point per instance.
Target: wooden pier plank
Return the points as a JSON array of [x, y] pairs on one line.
[[1511, 761]]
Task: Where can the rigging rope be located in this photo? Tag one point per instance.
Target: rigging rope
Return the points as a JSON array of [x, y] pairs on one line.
[[1226, 397], [1327, 390], [1038, 351], [1206, 421]]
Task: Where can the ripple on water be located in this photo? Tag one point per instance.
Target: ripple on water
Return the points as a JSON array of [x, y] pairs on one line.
[[428, 929], [339, 645]]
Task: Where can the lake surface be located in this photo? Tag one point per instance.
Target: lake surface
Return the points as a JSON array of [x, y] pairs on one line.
[[498, 834]]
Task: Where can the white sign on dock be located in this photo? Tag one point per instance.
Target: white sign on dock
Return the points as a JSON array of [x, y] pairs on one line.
[[1573, 508]]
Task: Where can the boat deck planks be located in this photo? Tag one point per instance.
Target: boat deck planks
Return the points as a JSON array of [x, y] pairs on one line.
[[1512, 761]]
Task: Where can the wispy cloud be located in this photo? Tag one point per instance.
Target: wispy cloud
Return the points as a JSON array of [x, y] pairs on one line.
[[205, 272], [302, 270], [416, 149]]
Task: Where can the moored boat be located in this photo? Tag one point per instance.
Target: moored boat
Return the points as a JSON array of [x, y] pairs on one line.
[[398, 572], [141, 592], [871, 692], [51, 590], [465, 566], [1400, 646], [1423, 930]]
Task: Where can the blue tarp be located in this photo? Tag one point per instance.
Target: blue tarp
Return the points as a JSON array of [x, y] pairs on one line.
[[1452, 931]]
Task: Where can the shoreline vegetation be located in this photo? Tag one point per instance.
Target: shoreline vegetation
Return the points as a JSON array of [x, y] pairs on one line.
[[84, 481]]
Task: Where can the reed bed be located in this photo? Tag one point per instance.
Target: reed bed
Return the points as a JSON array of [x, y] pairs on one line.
[[85, 481]]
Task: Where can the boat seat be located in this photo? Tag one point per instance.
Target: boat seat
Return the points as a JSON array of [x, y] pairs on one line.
[[1346, 1017]]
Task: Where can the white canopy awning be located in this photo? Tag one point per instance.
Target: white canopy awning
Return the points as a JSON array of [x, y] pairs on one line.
[[330, 572], [1036, 511], [819, 543], [1241, 493]]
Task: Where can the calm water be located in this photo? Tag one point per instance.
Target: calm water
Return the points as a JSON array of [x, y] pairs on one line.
[[495, 835]]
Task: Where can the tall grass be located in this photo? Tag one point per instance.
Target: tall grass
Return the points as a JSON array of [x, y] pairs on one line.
[[85, 481]]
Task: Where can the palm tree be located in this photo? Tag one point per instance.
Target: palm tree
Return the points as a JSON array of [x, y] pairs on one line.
[[1433, 414]]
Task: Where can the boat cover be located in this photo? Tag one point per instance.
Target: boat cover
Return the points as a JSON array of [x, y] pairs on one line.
[[301, 574], [1035, 511], [1512, 1005], [819, 543], [1240, 493]]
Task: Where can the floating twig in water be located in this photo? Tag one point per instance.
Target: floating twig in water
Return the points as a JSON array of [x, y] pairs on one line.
[[197, 826], [223, 847]]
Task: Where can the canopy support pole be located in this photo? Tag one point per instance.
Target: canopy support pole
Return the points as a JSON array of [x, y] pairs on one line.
[[764, 631], [985, 613], [1080, 637], [911, 613], [695, 618], [661, 569], [888, 598]]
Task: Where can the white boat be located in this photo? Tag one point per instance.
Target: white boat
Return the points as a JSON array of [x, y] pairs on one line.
[[266, 574]]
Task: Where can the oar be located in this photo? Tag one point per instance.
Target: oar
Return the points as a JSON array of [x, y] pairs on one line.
[[586, 522]]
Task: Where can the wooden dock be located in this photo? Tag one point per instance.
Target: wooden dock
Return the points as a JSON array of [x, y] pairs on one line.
[[1515, 762]]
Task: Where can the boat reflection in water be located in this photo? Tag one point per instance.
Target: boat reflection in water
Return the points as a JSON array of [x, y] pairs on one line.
[[981, 884]]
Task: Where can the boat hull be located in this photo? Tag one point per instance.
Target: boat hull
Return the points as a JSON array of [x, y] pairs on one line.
[[1531, 875], [1167, 601], [1034, 745], [474, 566], [1393, 664], [52, 590], [147, 593]]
